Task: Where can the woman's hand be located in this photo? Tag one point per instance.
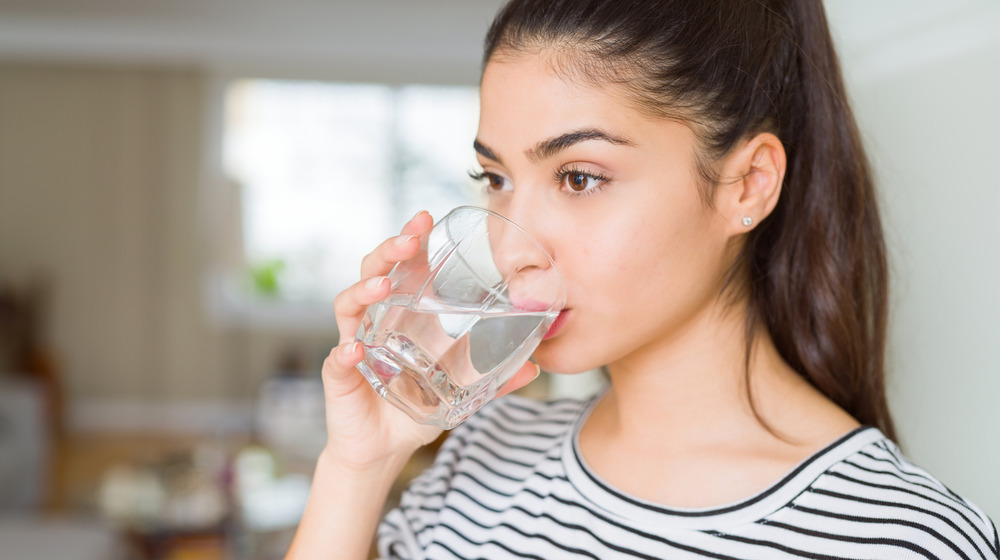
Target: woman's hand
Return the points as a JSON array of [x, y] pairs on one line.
[[368, 439], [363, 430]]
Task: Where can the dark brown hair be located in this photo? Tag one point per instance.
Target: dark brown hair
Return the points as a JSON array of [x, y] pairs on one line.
[[815, 270]]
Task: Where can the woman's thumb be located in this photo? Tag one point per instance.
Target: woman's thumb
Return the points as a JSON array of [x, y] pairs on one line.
[[528, 372]]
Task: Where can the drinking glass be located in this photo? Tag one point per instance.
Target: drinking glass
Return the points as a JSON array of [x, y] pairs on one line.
[[461, 318]]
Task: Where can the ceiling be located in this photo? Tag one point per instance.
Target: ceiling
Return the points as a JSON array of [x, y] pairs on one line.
[[431, 40], [426, 40]]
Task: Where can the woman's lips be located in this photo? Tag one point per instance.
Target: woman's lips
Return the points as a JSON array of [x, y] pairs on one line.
[[532, 305], [557, 324], [529, 305]]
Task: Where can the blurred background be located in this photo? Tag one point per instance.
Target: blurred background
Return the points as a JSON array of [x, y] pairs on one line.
[[185, 185]]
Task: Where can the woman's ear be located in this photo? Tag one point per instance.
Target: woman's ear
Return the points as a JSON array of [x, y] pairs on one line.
[[752, 175]]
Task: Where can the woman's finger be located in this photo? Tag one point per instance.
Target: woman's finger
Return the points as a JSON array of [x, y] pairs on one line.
[[404, 246], [418, 224], [528, 372], [350, 304], [339, 374], [380, 261], [346, 356]]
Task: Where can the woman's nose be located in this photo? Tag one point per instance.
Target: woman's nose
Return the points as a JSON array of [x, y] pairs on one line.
[[523, 252], [514, 248], [529, 273]]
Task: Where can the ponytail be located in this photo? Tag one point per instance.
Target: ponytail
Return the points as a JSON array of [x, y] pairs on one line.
[[818, 270]]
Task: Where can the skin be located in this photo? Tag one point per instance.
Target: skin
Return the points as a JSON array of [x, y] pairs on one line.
[[643, 258]]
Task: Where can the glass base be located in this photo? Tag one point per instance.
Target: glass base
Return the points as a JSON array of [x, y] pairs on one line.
[[409, 390]]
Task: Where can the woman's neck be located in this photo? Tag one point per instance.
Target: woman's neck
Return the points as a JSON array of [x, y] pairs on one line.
[[695, 373], [680, 407]]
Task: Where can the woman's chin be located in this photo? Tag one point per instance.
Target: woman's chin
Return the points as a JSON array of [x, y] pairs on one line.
[[555, 356]]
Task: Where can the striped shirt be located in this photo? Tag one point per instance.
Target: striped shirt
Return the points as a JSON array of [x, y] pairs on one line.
[[510, 483]]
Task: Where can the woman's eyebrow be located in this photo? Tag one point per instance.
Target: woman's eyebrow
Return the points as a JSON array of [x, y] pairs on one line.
[[548, 148], [482, 150]]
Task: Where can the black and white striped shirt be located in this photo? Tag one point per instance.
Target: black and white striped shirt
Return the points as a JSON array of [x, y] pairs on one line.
[[510, 483]]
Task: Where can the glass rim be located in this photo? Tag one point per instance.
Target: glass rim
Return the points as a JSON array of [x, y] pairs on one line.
[[552, 262]]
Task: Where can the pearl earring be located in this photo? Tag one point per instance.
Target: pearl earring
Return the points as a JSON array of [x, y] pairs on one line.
[[747, 221]]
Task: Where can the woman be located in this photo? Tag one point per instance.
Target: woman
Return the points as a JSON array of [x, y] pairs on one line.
[[696, 173]]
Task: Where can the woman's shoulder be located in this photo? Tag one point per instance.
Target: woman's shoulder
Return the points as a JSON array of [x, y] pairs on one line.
[[887, 498]]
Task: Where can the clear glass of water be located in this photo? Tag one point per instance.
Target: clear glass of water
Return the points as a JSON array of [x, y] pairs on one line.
[[461, 318]]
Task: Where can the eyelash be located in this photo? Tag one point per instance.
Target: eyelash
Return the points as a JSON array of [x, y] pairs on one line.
[[479, 176], [559, 176]]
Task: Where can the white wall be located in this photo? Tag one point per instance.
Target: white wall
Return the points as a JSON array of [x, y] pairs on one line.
[[936, 157], [925, 93]]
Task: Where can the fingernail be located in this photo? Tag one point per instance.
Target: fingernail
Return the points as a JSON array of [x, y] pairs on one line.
[[350, 349], [418, 214], [538, 371], [375, 283], [403, 239]]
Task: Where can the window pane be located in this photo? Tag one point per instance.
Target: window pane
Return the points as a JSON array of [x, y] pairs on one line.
[[435, 164], [327, 171]]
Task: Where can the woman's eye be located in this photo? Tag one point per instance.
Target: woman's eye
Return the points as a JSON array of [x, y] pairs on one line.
[[577, 181], [494, 182]]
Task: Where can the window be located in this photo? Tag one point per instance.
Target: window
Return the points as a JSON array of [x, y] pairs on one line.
[[324, 172]]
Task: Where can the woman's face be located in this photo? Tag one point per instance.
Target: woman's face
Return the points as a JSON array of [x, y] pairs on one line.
[[612, 194]]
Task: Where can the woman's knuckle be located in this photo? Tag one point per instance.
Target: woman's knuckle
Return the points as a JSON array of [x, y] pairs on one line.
[[338, 301]]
